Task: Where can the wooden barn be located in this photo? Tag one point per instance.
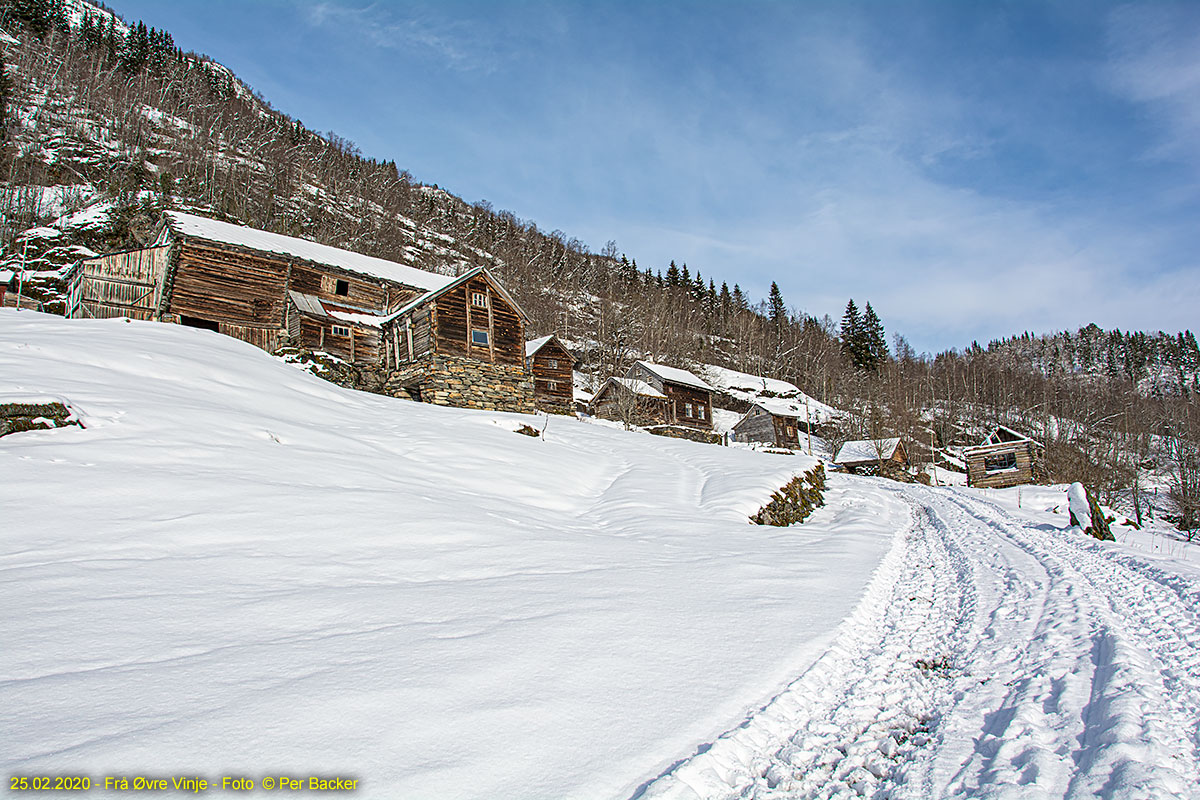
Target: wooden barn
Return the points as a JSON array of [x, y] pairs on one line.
[[871, 456], [264, 288], [689, 399], [1006, 458], [552, 367], [461, 344], [631, 401], [774, 421]]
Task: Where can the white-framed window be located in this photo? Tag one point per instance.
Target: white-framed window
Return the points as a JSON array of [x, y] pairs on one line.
[[700, 411], [552, 386], [479, 337], [341, 330], [479, 299], [552, 363], [687, 409]]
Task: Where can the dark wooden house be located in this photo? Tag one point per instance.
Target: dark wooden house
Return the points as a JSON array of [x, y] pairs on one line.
[[1006, 458], [461, 344], [688, 399], [552, 367], [774, 421], [631, 401], [265, 288], [871, 456]]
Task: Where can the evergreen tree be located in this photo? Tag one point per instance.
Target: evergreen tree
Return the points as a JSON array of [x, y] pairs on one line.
[[672, 274], [739, 299], [852, 334], [776, 308], [874, 341], [726, 299]]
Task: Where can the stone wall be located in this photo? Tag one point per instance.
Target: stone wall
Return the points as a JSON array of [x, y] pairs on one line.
[[692, 434], [19, 417], [464, 383]]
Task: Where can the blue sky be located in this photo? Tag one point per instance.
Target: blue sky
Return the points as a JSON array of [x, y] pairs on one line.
[[972, 169]]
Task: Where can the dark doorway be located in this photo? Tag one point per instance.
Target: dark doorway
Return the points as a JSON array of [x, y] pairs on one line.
[[196, 322]]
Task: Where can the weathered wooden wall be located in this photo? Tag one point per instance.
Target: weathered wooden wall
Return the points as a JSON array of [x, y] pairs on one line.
[[552, 364], [119, 285], [229, 285], [456, 317], [979, 476], [679, 397]]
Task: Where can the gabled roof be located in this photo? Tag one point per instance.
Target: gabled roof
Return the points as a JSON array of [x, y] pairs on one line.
[[264, 241], [674, 375], [743, 383], [534, 345], [453, 284], [640, 388], [1001, 434], [867, 450]]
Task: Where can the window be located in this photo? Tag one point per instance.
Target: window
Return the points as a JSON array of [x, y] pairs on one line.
[[1000, 462], [791, 432], [479, 337], [339, 330], [700, 411], [687, 409], [552, 363], [342, 288], [479, 299], [552, 386]]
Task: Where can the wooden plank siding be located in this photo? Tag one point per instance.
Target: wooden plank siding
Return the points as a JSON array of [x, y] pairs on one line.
[[680, 398], [125, 284], [987, 466], [553, 375], [228, 285], [455, 316]]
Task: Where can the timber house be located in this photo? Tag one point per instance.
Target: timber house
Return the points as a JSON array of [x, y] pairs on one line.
[[552, 366], [688, 399], [772, 420], [630, 401], [273, 290], [1006, 458], [872, 456], [462, 344]]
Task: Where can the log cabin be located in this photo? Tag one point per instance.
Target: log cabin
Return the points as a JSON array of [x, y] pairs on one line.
[[462, 344], [872, 456], [1006, 458], [773, 420], [552, 367], [631, 401], [264, 288], [688, 398]]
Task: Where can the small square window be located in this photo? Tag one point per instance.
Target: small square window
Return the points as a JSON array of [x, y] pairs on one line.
[[342, 288], [479, 299], [552, 386], [479, 337], [339, 330], [552, 363]]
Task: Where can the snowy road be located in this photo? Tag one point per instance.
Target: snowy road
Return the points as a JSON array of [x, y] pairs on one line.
[[991, 657]]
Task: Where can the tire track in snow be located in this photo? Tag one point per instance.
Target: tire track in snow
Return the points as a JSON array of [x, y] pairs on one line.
[[987, 659]]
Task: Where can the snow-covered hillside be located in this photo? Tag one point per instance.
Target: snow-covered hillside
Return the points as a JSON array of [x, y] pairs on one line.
[[237, 568]]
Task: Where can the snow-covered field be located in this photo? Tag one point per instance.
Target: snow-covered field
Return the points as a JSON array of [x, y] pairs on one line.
[[238, 569]]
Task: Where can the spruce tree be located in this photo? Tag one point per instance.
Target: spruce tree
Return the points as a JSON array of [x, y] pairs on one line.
[[852, 334], [874, 340], [775, 305], [672, 274]]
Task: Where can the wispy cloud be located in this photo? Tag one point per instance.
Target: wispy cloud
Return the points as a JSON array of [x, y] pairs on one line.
[[458, 44]]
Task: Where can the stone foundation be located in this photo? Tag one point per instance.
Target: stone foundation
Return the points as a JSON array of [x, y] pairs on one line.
[[464, 383], [692, 434]]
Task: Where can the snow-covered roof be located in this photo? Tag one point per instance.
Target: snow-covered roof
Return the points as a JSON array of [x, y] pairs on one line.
[[675, 375], [867, 450], [727, 379], [356, 317], [6, 275], [466, 276], [533, 345], [254, 239], [783, 407], [640, 388]]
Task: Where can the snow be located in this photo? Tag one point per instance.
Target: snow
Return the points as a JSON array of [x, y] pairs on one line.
[[237, 568], [639, 387], [240, 235], [533, 345], [1079, 506], [743, 382], [867, 450], [357, 318], [675, 375], [783, 398]]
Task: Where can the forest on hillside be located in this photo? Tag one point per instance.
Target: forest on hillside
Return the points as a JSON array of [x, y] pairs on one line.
[[95, 111]]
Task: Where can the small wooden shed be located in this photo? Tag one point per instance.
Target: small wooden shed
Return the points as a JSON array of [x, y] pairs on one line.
[[869, 456], [552, 366], [774, 421], [1006, 458]]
